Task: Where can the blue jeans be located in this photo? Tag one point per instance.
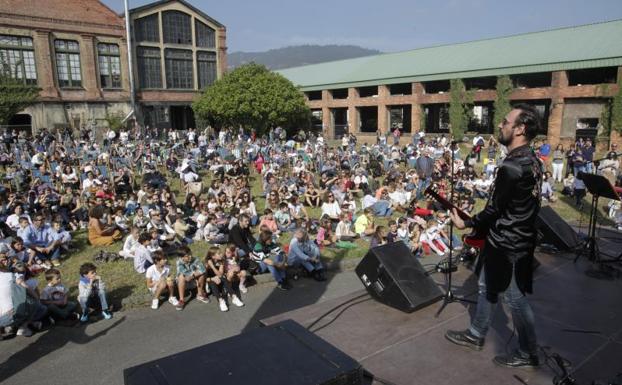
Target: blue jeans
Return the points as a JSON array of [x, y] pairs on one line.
[[381, 208], [278, 275], [522, 315]]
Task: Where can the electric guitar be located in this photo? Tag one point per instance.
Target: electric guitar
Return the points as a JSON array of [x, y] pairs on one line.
[[477, 237]]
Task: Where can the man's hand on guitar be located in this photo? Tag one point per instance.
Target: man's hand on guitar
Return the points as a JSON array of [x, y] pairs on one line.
[[457, 221]]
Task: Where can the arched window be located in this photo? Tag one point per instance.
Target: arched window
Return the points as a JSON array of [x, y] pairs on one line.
[[147, 28], [176, 27], [206, 36]]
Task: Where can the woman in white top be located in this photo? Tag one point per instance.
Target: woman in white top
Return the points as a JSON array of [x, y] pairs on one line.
[[331, 208]]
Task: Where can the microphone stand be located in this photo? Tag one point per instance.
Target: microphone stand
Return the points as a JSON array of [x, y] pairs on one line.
[[449, 296]]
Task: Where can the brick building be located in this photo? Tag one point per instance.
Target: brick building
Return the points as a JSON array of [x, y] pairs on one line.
[[76, 52], [178, 51], [568, 74]]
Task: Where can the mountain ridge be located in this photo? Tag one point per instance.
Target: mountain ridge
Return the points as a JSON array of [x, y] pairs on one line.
[[298, 55]]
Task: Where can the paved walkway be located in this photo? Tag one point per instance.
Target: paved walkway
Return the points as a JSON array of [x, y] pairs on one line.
[[98, 353]]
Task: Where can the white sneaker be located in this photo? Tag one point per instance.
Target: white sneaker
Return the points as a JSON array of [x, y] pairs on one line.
[[155, 303], [236, 301], [173, 301], [24, 331], [223, 305], [243, 289], [207, 289]]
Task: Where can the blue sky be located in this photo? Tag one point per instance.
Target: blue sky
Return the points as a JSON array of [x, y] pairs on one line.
[[389, 25]]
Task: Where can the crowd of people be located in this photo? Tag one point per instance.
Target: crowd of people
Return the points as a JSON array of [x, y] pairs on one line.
[[263, 204]]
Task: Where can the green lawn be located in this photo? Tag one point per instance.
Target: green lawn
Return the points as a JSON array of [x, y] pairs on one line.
[[125, 284]]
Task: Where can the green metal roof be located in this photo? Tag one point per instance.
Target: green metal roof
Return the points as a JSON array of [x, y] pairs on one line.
[[585, 46]]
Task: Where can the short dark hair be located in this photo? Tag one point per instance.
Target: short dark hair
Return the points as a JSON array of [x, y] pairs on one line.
[[157, 256], [51, 274], [530, 117], [87, 268]]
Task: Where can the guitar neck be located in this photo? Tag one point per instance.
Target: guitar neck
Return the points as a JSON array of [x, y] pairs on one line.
[[447, 205]]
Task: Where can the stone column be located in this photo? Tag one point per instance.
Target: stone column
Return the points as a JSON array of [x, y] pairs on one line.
[[89, 67], [45, 69]]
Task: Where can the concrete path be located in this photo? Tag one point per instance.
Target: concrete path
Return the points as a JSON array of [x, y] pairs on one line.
[[98, 352]]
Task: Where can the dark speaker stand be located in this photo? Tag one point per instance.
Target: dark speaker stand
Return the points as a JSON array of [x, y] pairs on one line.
[[598, 186], [449, 296]]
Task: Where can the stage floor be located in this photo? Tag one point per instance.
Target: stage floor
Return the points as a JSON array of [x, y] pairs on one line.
[[578, 317]]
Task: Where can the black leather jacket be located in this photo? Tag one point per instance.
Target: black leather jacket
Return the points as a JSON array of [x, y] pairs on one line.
[[510, 216]]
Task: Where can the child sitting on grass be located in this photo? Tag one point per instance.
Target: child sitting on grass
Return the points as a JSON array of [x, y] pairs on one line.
[[90, 288], [54, 296], [159, 280], [219, 285]]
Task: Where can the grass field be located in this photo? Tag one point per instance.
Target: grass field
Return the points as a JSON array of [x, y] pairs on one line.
[[125, 284]]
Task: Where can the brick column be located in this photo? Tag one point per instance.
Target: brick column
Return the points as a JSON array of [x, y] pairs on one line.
[[383, 118], [417, 109], [328, 130], [89, 67], [353, 121], [555, 121], [125, 70], [559, 80], [222, 51], [45, 70]]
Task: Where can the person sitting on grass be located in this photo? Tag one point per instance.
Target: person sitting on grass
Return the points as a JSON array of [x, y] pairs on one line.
[[233, 268], [100, 235], [270, 258], [269, 223], [142, 255], [190, 274], [90, 288], [325, 235], [131, 241], [212, 233], [344, 232], [54, 296], [377, 238], [364, 224], [284, 219], [304, 252], [159, 280], [219, 285]]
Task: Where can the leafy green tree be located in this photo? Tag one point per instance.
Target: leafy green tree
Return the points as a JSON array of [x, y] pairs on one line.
[[460, 108], [502, 102], [14, 94], [252, 97]]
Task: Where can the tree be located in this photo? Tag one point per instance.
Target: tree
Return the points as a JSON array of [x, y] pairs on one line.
[[14, 94], [502, 102], [460, 108], [252, 97]]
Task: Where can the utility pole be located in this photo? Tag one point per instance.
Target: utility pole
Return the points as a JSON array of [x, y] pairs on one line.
[[130, 59]]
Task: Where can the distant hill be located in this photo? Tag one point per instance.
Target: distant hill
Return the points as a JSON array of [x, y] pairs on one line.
[[299, 55]]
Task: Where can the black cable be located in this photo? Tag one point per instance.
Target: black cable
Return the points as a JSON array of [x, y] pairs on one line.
[[339, 314], [335, 308]]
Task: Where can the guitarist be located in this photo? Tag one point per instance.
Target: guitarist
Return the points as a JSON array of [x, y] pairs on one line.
[[509, 216]]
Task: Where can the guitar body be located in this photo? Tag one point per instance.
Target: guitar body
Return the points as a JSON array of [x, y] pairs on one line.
[[476, 238]]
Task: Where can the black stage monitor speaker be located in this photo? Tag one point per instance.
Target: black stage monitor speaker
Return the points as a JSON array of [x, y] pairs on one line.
[[555, 230], [281, 354], [393, 276]]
